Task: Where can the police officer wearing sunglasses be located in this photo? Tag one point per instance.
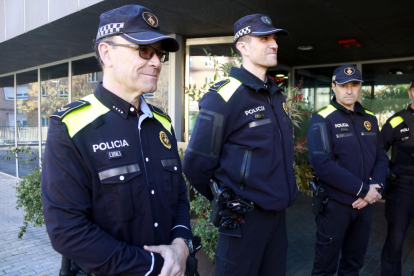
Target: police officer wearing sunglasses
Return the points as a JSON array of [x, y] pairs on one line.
[[399, 207], [114, 198]]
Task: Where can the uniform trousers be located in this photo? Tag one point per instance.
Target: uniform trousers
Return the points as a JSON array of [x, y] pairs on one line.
[[261, 250], [341, 229], [399, 212]]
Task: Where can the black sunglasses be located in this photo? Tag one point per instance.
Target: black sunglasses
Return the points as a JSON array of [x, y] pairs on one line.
[[145, 51]]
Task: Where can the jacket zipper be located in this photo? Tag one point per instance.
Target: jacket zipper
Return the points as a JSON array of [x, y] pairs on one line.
[[283, 148], [360, 147]]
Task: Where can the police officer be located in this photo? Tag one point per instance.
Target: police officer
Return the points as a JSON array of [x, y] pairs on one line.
[[348, 157], [114, 198], [399, 207], [243, 139]]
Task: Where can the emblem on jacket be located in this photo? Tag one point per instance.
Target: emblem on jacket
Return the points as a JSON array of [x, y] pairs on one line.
[[285, 108], [367, 125], [164, 140]]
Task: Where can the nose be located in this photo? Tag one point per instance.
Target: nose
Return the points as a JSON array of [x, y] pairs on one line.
[[154, 61], [274, 45]]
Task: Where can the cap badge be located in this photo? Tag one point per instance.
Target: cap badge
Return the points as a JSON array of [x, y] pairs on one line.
[[285, 108], [349, 71], [151, 19], [266, 20], [164, 140], [367, 125]]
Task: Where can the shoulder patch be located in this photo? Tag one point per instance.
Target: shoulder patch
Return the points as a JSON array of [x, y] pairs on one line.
[[159, 111], [216, 87], [320, 109], [227, 90], [326, 111], [369, 111], [396, 121], [64, 110]]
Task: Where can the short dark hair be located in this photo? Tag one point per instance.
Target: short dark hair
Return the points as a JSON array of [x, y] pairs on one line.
[[246, 39], [96, 48]]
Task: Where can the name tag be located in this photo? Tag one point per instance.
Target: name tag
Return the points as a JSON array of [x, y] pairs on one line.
[[114, 154], [258, 115], [344, 129]]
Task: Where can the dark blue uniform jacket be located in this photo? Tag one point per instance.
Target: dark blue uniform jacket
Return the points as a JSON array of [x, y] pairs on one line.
[[243, 139], [396, 133], [346, 151], [112, 183]]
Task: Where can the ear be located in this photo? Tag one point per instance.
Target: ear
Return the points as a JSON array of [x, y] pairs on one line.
[[105, 54], [333, 87], [243, 47]]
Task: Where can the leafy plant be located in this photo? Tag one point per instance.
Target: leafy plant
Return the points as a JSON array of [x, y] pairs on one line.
[[29, 194], [222, 71]]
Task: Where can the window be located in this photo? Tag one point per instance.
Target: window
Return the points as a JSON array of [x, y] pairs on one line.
[[208, 62], [209, 79], [45, 121]]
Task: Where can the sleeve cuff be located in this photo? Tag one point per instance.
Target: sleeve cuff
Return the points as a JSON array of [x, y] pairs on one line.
[[373, 181], [157, 264], [181, 231], [363, 191]]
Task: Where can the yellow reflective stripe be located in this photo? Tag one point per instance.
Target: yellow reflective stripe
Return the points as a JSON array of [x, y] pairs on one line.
[[396, 121], [328, 110], [227, 90], [81, 117], [369, 112], [164, 121]]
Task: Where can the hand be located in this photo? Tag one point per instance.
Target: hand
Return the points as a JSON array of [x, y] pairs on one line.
[[175, 257], [373, 195], [359, 203]]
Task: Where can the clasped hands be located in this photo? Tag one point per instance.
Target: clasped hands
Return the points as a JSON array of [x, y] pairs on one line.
[[371, 197]]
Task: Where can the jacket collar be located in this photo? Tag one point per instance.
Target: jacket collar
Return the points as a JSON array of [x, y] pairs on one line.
[[120, 106], [410, 108], [250, 80], [358, 108]]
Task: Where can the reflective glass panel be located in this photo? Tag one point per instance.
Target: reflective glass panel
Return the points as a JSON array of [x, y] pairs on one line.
[[54, 93], [27, 120], [7, 123], [385, 87], [86, 74]]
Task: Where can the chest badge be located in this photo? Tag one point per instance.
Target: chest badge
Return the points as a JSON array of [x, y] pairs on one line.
[[164, 140], [258, 115], [285, 108], [367, 125]]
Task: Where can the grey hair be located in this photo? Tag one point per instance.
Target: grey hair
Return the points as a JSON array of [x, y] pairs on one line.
[[96, 48]]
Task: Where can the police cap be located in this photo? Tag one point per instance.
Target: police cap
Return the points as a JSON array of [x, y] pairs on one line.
[[346, 73], [136, 24], [255, 25]]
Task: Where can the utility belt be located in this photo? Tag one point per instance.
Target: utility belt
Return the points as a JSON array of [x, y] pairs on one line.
[[227, 210], [406, 179], [320, 198]]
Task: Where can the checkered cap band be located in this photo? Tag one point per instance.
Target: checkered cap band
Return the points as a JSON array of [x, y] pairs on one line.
[[109, 29], [242, 32]]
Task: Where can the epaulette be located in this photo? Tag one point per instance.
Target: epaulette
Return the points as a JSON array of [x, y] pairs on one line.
[[218, 85], [325, 111], [369, 111], [159, 111], [320, 109], [65, 110]]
